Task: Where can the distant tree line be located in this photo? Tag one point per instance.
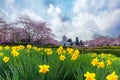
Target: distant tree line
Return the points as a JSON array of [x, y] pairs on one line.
[[103, 41], [26, 30]]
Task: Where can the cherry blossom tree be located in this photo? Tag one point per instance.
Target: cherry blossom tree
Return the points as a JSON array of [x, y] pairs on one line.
[[116, 41], [38, 32], [100, 41], [26, 30], [17, 35]]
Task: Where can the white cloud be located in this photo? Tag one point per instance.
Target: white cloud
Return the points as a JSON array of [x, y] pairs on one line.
[[107, 19], [7, 16], [113, 4], [11, 12], [79, 5], [10, 1], [59, 27], [55, 20], [86, 23], [3, 13], [88, 6], [54, 10], [31, 14], [10, 6]]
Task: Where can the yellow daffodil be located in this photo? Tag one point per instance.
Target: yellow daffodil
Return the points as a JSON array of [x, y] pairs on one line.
[[15, 53], [7, 47], [112, 76], [108, 62], [48, 51], [70, 51], [76, 52], [89, 76], [74, 57], [29, 46], [102, 55], [21, 47], [61, 47], [62, 57], [44, 68], [39, 49], [0, 47], [64, 51], [94, 62], [14, 48], [5, 59], [101, 64], [60, 50], [35, 48]]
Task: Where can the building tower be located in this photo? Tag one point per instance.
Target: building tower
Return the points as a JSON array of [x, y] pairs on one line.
[[64, 38], [77, 41]]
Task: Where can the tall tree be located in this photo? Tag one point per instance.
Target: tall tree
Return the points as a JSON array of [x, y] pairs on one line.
[[26, 29], [37, 31]]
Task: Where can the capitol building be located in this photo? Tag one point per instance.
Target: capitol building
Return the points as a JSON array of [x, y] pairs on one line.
[[68, 42]]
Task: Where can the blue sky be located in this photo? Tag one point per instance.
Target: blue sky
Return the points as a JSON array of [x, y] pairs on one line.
[[74, 18]]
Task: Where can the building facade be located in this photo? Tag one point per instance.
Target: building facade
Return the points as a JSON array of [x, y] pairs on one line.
[[68, 42], [65, 41]]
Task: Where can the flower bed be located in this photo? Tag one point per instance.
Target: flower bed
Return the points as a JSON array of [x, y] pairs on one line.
[[37, 63]]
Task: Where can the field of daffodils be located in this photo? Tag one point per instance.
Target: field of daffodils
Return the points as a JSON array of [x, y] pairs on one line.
[[37, 63]]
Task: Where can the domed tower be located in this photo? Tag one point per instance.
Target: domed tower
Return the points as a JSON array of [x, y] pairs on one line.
[[64, 38]]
